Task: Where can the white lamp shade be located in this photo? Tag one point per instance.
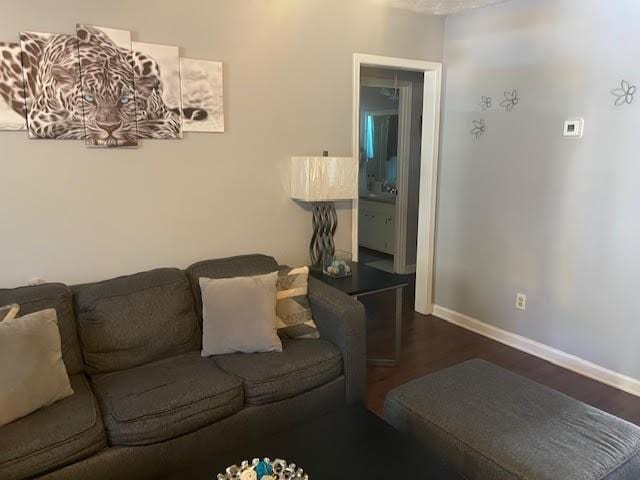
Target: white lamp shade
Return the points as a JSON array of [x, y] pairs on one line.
[[324, 179]]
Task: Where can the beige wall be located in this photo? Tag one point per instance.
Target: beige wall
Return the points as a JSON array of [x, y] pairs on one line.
[[72, 214]]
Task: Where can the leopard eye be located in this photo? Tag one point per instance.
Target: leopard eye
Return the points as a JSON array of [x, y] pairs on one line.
[[124, 100], [89, 98]]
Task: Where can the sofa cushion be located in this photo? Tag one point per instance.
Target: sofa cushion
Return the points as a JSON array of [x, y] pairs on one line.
[[240, 266], [51, 295], [165, 399], [302, 365], [60, 434], [136, 319]]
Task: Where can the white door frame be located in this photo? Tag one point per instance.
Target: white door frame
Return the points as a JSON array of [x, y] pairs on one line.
[[428, 165], [404, 154]]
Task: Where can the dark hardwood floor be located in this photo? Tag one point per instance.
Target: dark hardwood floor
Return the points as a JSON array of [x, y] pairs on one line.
[[431, 344]]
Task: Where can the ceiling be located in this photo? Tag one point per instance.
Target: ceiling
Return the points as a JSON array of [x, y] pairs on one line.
[[438, 7]]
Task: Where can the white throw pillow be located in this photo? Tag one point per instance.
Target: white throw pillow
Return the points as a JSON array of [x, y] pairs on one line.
[[239, 315], [32, 373]]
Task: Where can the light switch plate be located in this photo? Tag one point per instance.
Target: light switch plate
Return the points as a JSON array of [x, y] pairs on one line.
[[574, 128]]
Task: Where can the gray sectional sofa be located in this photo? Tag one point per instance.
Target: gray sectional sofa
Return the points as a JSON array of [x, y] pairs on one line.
[[146, 403]]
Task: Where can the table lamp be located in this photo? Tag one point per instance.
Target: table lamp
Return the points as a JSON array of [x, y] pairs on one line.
[[322, 181]]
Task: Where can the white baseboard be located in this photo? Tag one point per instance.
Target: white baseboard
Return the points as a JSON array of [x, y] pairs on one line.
[[540, 350]]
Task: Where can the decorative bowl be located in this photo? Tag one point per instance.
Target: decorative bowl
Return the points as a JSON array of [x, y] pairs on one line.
[[264, 469], [337, 265]]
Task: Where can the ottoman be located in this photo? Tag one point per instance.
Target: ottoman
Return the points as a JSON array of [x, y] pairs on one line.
[[491, 424]]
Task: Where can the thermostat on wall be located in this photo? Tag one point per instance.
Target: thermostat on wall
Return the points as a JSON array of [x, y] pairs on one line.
[[574, 128]]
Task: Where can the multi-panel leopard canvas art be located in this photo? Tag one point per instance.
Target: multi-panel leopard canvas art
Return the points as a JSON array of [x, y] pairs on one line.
[[108, 91], [51, 82], [202, 89], [12, 101], [100, 87], [159, 112]]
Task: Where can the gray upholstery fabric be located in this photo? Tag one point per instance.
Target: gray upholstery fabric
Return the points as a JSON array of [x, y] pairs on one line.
[[153, 461], [240, 266], [60, 434], [51, 295], [132, 320], [627, 470], [303, 365], [165, 399], [341, 320], [491, 424]]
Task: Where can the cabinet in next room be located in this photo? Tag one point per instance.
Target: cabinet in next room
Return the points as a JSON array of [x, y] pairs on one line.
[[376, 225]]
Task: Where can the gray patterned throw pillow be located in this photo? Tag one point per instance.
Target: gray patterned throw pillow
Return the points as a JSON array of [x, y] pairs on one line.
[[9, 312], [292, 306]]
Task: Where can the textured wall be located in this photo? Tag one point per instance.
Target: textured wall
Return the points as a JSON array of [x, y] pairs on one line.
[[73, 214], [523, 209]]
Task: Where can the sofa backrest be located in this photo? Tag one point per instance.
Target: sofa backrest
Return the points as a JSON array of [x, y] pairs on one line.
[[135, 319], [240, 266], [51, 295]]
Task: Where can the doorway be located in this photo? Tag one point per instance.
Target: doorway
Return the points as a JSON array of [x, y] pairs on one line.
[[389, 151], [393, 220]]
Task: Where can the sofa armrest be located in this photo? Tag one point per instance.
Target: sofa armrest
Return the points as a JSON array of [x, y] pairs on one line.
[[341, 320]]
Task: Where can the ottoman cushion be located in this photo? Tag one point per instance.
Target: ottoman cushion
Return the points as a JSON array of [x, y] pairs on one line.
[[492, 424]]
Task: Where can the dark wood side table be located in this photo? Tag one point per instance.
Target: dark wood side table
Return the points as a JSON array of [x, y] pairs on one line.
[[366, 280]]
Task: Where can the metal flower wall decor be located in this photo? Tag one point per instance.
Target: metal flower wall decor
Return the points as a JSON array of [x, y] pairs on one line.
[[479, 128], [625, 94], [485, 103], [511, 99]]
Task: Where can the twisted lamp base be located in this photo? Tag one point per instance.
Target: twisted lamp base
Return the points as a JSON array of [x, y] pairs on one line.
[[325, 222]]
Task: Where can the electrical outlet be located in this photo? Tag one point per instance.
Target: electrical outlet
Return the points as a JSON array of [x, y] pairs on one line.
[[36, 281], [521, 301]]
